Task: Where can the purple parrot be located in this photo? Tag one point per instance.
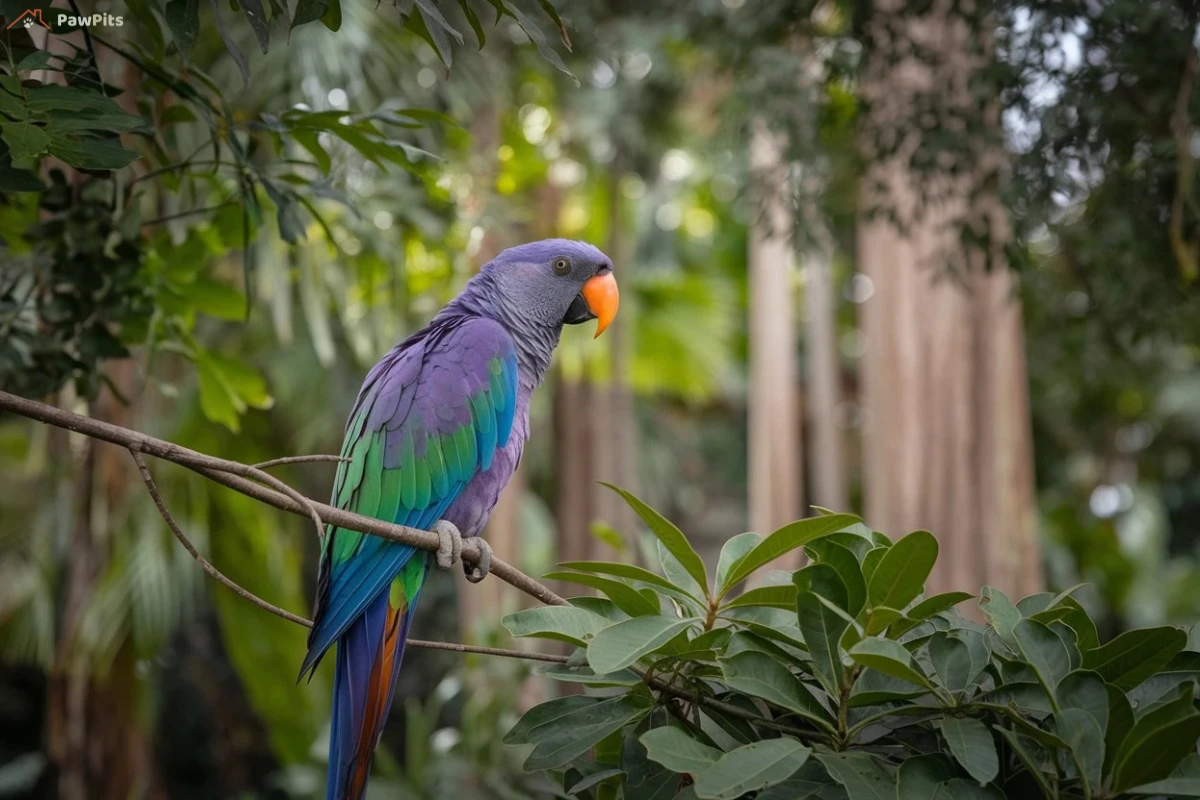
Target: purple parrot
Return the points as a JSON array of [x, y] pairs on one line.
[[435, 435]]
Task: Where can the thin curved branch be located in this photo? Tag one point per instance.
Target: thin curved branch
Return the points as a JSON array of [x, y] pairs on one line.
[[279, 462], [246, 594], [229, 473]]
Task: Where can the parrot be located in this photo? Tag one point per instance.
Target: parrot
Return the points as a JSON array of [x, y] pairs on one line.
[[435, 434]]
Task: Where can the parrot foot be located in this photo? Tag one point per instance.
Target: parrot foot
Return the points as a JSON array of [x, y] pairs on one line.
[[483, 565], [449, 549]]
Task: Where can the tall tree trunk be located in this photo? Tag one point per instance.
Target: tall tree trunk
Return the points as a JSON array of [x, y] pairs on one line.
[[775, 475], [948, 445], [826, 458]]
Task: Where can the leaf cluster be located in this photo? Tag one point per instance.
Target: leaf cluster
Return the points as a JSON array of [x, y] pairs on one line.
[[842, 680]]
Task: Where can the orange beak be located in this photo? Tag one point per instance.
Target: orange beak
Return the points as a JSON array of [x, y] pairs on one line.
[[602, 298]]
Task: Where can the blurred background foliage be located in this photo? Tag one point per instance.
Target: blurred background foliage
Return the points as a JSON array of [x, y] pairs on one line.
[[216, 244]]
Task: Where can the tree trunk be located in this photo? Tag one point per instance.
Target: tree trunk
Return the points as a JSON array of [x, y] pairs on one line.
[[826, 459], [948, 446], [775, 479]]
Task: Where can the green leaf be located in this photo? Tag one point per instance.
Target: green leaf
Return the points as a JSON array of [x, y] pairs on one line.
[[890, 658], [1000, 611], [955, 662], [183, 18], [1079, 729], [773, 596], [473, 21], [871, 561], [595, 779], [902, 571], [1183, 782], [972, 746], [936, 604], [1045, 652], [26, 141], [751, 767], [1135, 655], [562, 739], [677, 751], [217, 299], [216, 401], [759, 675], [624, 596], [332, 18], [920, 776], [91, 153], [731, 552], [582, 673], [627, 571], [547, 712], [257, 17], [823, 580], [562, 623], [1158, 742], [620, 645], [845, 563], [536, 35], [822, 629], [670, 537], [307, 11], [860, 775], [1084, 690], [788, 538], [439, 31], [1023, 746], [1120, 723]]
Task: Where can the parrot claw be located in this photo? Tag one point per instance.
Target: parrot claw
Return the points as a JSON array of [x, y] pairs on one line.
[[450, 545], [483, 565]]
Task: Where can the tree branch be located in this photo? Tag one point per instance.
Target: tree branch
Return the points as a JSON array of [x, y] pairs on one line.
[[279, 462], [230, 473], [246, 594]]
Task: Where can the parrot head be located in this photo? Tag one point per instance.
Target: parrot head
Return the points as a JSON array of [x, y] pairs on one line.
[[557, 282]]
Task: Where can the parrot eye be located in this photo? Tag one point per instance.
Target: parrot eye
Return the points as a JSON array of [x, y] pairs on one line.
[[561, 265]]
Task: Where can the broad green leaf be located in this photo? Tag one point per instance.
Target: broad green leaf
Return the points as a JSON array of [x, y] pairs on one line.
[[563, 623], [1072, 614], [582, 673], [822, 630], [1045, 652], [788, 538], [760, 675], [1023, 747], [624, 596], [594, 779], [952, 660], [1078, 728], [26, 141], [823, 580], [564, 738], [963, 789], [1120, 722], [1000, 611], [773, 596], [860, 775], [874, 687], [217, 299], [627, 571], [618, 646], [1085, 690], [879, 619], [936, 604], [751, 767], [871, 561], [890, 658], [677, 751], [920, 776], [845, 563], [972, 746], [1183, 782], [670, 537], [183, 18], [307, 11], [1135, 655], [1028, 698], [95, 154], [1158, 742], [902, 571], [547, 712], [731, 552]]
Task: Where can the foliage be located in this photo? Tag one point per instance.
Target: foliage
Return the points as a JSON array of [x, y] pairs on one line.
[[176, 147], [841, 680]]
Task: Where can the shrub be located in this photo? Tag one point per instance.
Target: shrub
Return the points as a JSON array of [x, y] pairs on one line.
[[841, 680]]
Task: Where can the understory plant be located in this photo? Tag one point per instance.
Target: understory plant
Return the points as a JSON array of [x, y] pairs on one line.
[[842, 680]]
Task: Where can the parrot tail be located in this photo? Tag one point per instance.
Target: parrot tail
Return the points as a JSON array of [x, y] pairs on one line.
[[368, 660]]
